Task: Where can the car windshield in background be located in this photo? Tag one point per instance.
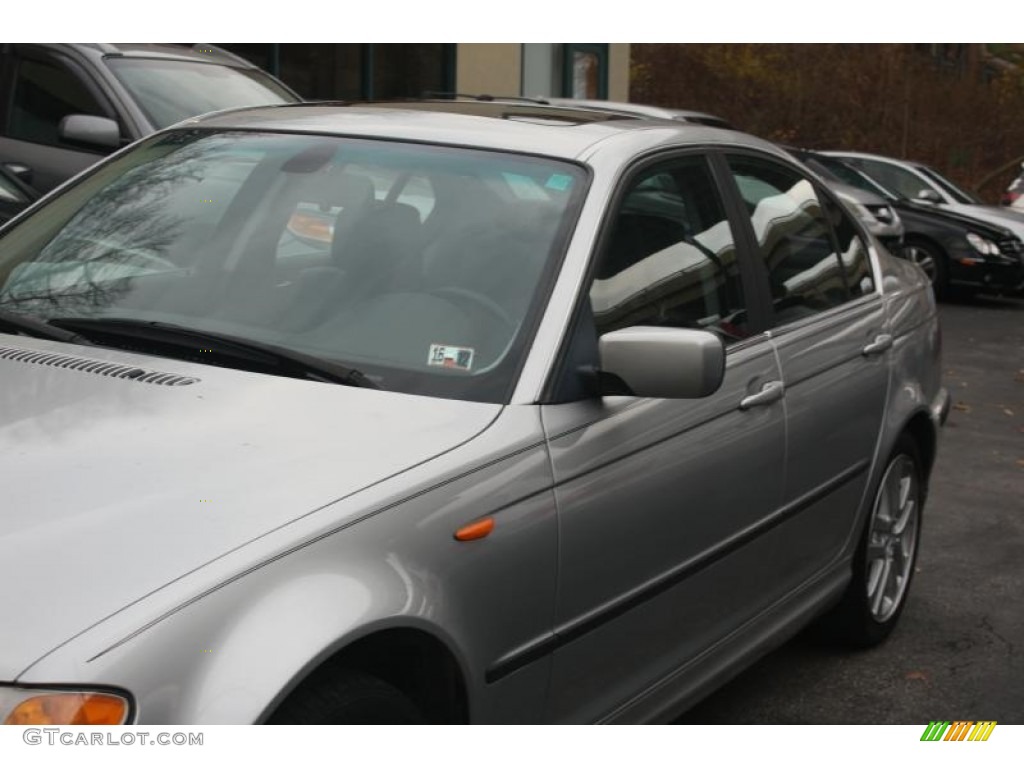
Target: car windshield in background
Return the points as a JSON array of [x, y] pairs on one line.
[[840, 171], [170, 90], [419, 265], [951, 189]]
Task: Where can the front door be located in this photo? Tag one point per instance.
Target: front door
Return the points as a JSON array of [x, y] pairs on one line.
[[666, 537]]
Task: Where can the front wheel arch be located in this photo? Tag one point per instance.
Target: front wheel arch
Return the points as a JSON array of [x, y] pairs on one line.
[[415, 663]]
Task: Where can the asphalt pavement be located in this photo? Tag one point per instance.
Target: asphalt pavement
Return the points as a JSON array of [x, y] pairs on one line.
[[958, 652]]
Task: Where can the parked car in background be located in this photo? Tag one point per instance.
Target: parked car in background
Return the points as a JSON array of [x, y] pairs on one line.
[[1013, 197], [65, 106], [15, 195], [956, 250], [921, 183], [570, 418]]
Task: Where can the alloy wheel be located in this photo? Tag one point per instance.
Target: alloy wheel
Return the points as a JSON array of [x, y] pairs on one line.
[[923, 259], [892, 538]]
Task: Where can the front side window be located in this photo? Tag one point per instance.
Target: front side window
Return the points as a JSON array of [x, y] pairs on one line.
[[422, 266], [669, 257], [804, 271], [44, 94]]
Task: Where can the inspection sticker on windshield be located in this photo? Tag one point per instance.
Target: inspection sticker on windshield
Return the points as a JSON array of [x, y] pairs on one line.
[[559, 181], [447, 356]]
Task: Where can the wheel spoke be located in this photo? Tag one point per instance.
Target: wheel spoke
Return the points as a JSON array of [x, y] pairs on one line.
[[875, 571], [878, 595], [892, 499]]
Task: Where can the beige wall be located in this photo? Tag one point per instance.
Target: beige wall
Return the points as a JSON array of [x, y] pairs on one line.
[[618, 72], [493, 68], [496, 68]]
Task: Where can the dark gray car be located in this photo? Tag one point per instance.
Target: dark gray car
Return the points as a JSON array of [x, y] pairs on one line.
[[65, 106]]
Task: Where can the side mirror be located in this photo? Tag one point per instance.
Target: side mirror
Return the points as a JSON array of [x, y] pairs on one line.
[[929, 196], [677, 363], [90, 130]]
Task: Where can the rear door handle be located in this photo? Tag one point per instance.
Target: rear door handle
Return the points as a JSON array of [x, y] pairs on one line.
[[878, 346], [770, 392]]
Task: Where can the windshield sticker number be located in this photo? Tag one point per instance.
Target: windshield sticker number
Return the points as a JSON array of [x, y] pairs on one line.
[[447, 356]]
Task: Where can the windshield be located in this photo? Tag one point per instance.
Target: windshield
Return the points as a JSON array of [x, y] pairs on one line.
[[170, 90], [951, 189], [904, 183], [420, 265], [840, 171]]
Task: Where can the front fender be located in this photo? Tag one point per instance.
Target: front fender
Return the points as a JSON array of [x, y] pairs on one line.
[[230, 653]]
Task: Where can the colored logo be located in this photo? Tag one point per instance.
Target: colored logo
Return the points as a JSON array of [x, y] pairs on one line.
[[959, 730]]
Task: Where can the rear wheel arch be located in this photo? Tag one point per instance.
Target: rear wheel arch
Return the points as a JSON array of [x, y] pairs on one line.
[[414, 662], [922, 431]]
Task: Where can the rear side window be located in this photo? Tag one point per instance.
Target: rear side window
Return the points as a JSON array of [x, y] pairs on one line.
[[44, 94], [853, 252], [793, 235]]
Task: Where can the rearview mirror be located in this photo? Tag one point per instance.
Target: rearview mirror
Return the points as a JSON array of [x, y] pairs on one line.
[[677, 363], [90, 130], [929, 196]]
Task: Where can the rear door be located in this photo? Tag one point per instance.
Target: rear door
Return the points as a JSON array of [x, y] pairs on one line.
[[829, 327]]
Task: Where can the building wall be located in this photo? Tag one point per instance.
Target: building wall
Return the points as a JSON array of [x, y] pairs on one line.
[[529, 69], [494, 68], [618, 72]]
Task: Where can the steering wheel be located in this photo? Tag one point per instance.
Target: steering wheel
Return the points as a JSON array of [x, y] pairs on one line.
[[465, 297]]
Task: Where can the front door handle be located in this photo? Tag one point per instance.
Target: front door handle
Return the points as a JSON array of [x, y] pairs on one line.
[[770, 392], [881, 343]]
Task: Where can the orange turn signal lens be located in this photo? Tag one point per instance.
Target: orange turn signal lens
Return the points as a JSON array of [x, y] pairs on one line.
[[70, 708], [476, 530]]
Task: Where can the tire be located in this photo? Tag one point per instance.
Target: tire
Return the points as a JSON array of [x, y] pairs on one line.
[[933, 262], [883, 566], [347, 697]]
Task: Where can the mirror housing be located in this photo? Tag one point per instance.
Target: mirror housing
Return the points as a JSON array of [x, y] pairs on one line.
[[90, 130], [676, 363], [929, 196]]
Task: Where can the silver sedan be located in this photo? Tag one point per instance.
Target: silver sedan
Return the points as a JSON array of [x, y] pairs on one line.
[[446, 412]]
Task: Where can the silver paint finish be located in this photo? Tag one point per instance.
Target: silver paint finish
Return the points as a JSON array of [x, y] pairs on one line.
[[664, 362], [644, 550], [647, 487], [113, 489]]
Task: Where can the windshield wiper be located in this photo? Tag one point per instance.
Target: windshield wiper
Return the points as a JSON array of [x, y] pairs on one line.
[[285, 361], [39, 328]]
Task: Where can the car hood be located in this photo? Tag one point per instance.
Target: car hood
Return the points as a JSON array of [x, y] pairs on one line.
[[1011, 220], [114, 487]]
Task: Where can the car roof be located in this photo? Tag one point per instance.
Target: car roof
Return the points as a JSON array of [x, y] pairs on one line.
[[528, 127], [645, 110], [180, 52], [870, 156]]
